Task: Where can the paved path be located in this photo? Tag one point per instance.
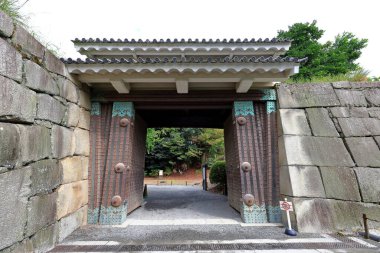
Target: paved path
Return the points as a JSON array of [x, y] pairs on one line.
[[188, 219]]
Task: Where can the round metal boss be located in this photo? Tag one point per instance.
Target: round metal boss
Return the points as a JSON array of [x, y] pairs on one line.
[[241, 120], [116, 201], [119, 168], [124, 122], [246, 166], [248, 199]]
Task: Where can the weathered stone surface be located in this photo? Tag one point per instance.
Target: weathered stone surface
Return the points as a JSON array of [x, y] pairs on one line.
[[34, 142], [327, 215], [53, 64], [10, 145], [46, 175], [369, 183], [70, 223], [320, 122], [373, 96], [10, 106], [6, 25], [359, 112], [359, 126], [340, 112], [351, 98], [68, 90], [306, 95], [73, 114], [84, 119], [377, 139], [45, 239], [301, 181], [63, 142], [10, 61], [24, 246], [293, 122], [71, 197], [27, 42], [374, 112], [14, 192], [365, 151], [84, 99], [39, 79], [361, 85], [74, 169], [341, 84], [315, 151], [44, 204], [82, 142], [50, 109], [340, 183]]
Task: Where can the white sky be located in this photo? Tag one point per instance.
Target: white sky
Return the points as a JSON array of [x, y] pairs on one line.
[[59, 21]]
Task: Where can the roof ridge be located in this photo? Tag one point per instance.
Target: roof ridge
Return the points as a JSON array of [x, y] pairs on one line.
[[182, 40]]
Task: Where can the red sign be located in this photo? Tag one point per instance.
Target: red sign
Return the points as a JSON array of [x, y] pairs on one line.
[[286, 206]]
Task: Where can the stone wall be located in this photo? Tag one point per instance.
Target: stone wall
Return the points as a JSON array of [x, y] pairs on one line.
[[329, 139], [44, 145]]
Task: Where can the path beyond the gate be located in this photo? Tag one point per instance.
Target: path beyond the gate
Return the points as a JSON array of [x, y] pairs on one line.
[[180, 218]]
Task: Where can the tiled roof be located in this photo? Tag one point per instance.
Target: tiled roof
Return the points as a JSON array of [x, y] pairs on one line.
[[209, 41], [155, 60]]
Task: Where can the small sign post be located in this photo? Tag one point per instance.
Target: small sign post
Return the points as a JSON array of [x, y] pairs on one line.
[[288, 207]]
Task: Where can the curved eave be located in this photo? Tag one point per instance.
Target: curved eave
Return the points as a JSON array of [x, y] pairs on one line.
[[288, 67]]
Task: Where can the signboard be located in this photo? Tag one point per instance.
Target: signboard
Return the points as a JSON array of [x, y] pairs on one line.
[[286, 206]]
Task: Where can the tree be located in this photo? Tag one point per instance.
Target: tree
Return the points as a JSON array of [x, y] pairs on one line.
[[328, 59]]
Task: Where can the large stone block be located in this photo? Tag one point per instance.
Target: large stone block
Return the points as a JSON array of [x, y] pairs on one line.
[[373, 96], [359, 112], [71, 197], [46, 176], [24, 246], [39, 79], [45, 239], [11, 108], [351, 98], [320, 122], [301, 181], [41, 212], [84, 119], [306, 95], [62, 141], [314, 151], [10, 146], [67, 89], [293, 122], [50, 109], [25, 41], [53, 63], [365, 151], [70, 223], [363, 85], [352, 127], [14, 192], [82, 142], [10, 61], [340, 183], [74, 168], [84, 99], [369, 183], [73, 114], [34, 143], [6, 25]]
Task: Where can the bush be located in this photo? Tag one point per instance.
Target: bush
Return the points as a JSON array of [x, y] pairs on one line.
[[218, 173], [168, 171], [154, 173]]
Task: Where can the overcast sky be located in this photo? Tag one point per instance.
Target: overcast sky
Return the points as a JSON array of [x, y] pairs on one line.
[[59, 21]]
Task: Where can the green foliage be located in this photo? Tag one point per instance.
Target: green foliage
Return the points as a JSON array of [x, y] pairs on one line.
[[12, 9], [218, 173], [333, 58], [168, 171], [175, 147], [154, 173]]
